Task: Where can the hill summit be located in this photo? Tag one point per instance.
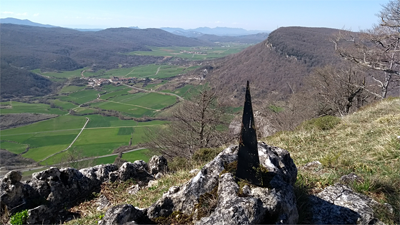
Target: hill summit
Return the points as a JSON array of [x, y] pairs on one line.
[[278, 64]]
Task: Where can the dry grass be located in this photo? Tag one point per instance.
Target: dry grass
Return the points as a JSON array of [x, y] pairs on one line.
[[117, 194], [365, 143]]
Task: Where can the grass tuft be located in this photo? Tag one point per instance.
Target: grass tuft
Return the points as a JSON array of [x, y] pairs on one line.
[[365, 143]]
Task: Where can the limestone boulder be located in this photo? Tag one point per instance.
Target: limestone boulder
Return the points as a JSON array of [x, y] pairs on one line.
[[138, 170], [219, 190], [123, 214], [158, 164], [339, 204], [11, 191]]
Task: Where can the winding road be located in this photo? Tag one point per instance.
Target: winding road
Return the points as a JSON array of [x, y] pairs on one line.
[[77, 136]]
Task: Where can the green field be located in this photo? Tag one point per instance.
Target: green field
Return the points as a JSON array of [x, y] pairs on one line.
[[81, 97], [147, 71], [103, 140], [41, 153], [64, 105], [13, 147], [54, 125], [143, 71], [192, 53], [43, 138], [143, 154], [186, 91], [71, 88], [103, 134], [136, 105], [20, 107], [69, 74]]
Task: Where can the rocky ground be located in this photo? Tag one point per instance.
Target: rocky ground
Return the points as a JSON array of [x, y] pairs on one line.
[[213, 196]]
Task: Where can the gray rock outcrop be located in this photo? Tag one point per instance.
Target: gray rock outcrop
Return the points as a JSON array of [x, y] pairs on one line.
[[121, 214], [158, 164], [48, 192], [339, 204], [214, 196]]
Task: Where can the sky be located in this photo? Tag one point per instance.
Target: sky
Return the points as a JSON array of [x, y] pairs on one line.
[[263, 15]]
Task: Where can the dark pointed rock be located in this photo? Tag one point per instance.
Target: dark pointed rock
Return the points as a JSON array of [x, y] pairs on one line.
[[248, 160]]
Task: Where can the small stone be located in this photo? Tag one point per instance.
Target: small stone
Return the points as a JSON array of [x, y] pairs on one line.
[[389, 207], [194, 171], [152, 183], [102, 203], [134, 189], [158, 176], [246, 190], [351, 178], [312, 165]]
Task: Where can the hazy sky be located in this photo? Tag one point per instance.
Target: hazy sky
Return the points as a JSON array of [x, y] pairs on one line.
[[248, 14]]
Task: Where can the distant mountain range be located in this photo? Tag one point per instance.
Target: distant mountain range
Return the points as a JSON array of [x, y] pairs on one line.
[[23, 22], [219, 31]]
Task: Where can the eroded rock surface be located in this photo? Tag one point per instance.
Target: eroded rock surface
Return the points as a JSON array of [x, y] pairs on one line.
[[339, 204], [122, 214], [220, 191], [48, 192], [158, 164]]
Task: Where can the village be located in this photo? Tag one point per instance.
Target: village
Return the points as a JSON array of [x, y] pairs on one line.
[[96, 82]]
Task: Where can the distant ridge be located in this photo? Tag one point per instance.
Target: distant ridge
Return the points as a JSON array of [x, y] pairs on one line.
[[197, 32], [25, 48], [226, 31], [218, 31], [23, 22], [68, 49]]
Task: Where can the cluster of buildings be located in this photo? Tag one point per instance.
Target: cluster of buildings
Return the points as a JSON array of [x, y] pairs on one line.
[[93, 82], [193, 52]]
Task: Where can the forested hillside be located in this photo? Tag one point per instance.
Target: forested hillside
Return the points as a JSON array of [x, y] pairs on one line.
[[18, 82], [277, 65], [24, 48], [67, 49]]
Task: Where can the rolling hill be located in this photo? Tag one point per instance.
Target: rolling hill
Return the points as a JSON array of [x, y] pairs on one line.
[[66, 49], [15, 82], [25, 48], [276, 65]]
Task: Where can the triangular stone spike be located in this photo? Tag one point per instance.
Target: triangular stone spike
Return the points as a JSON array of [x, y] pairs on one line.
[[248, 160]]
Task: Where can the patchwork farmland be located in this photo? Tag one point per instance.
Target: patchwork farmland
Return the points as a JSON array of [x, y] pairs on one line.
[[114, 110]]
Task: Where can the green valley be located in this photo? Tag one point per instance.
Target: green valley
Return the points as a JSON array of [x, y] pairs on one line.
[[120, 104]]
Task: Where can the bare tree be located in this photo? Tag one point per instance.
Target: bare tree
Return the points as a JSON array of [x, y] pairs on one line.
[[199, 122], [377, 49], [337, 91], [326, 91]]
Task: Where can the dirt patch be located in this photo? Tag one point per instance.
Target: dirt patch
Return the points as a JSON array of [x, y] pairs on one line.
[[9, 159], [21, 119]]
